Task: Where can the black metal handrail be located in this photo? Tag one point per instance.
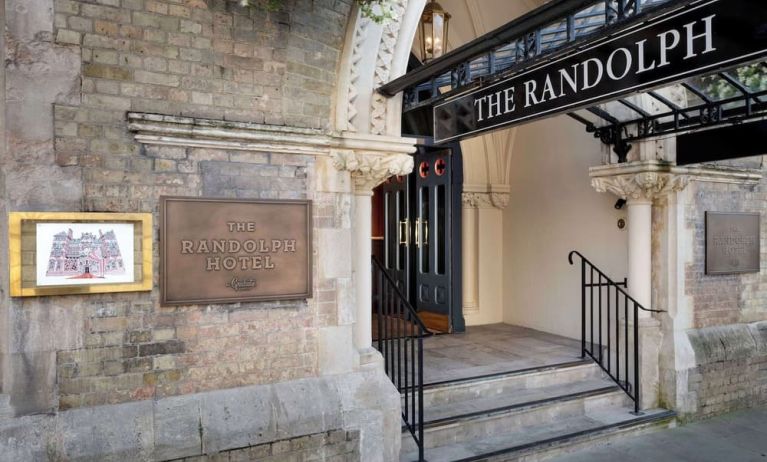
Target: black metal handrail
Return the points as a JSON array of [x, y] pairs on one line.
[[608, 356], [399, 337]]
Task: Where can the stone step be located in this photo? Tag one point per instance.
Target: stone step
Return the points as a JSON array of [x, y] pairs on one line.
[[466, 421], [506, 383], [547, 440]]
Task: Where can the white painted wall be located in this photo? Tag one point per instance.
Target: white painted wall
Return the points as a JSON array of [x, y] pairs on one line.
[[554, 210]]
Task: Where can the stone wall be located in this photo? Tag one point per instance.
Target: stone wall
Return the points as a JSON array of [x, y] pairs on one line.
[[714, 354], [336, 445], [196, 58], [732, 367], [725, 299], [74, 69], [729, 341], [291, 420]]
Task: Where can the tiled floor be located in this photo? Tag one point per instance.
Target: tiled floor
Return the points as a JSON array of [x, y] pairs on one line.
[[495, 348]]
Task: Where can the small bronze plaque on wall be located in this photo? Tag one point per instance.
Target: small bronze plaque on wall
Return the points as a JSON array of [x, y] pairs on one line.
[[233, 250], [732, 243]]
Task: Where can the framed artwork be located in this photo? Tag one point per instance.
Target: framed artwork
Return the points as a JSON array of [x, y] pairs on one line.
[[59, 253]]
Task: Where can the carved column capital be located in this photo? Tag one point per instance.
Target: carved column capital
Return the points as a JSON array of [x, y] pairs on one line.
[[483, 200], [641, 181], [641, 186], [368, 169]]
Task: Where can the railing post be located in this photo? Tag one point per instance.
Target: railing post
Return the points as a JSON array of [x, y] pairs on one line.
[[631, 382], [583, 308], [399, 324], [636, 359], [420, 398]]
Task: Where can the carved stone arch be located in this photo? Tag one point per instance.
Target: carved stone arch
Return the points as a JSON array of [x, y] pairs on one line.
[[489, 169], [375, 54]]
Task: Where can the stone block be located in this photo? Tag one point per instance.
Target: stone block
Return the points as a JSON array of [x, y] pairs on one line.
[[68, 37], [177, 424], [238, 418], [106, 72], [157, 78], [119, 433], [722, 343]]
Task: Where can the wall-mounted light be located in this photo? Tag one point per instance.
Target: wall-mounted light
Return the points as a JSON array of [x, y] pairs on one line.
[[434, 31]]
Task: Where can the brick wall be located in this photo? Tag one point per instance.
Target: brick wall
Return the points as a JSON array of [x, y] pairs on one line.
[[195, 58], [207, 58], [731, 370], [724, 299], [729, 336]]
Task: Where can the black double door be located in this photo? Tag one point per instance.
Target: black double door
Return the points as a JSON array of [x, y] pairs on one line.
[[422, 245]]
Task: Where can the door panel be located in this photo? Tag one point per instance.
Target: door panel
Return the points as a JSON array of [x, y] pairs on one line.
[[420, 231], [397, 238], [432, 235]]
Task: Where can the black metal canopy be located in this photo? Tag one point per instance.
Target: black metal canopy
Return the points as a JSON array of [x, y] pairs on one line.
[[563, 27]]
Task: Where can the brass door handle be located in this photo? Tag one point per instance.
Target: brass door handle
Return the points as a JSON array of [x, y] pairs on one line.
[[421, 232], [404, 232], [418, 232]]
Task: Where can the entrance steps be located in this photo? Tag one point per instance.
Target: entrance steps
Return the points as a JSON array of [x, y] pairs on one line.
[[534, 414]]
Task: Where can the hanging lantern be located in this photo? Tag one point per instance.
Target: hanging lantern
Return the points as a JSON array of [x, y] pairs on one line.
[[434, 29]]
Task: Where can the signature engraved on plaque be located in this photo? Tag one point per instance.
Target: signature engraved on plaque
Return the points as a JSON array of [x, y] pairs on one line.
[[239, 285]]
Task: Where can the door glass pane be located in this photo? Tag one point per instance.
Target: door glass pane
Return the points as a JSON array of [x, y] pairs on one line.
[[402, 229], [388, 236], [422, 229], [440, 226]]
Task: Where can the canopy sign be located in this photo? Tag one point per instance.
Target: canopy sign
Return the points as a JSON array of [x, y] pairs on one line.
[[672, 46]]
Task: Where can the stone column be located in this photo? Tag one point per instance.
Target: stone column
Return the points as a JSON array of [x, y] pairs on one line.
[[640, 249], [469, 218], [367, 171], [640, 183]]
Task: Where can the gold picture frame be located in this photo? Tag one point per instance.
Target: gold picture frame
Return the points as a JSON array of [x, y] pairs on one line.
[[22, 235]]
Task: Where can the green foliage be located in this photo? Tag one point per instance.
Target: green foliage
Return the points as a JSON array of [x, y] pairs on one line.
[[378, 11], [753, 76]]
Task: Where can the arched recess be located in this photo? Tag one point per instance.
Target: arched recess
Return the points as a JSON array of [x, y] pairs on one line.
[[375, 54], [487, 174]]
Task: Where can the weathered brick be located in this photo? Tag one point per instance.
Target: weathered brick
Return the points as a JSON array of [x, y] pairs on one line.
[[106, 72], [157, 78], [68, 37], [161, 348]]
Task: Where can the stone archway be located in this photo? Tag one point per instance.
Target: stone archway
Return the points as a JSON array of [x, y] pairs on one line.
[[373, 55]]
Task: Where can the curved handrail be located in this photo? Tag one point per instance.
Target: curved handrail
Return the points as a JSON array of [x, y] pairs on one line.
[[424, 331], [639, 305]]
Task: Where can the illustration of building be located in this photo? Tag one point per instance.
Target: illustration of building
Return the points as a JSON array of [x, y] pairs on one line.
[[88, 255]]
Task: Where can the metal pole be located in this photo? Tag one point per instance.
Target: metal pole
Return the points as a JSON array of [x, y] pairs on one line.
[[420, 399], [636, 359], [583, 308]]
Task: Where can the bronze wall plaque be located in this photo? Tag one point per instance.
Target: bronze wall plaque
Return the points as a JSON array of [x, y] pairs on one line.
[[234, 250], [732, 243]]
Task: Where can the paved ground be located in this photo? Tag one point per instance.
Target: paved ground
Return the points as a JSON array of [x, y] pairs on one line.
[[737, 437], [494, 348]]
